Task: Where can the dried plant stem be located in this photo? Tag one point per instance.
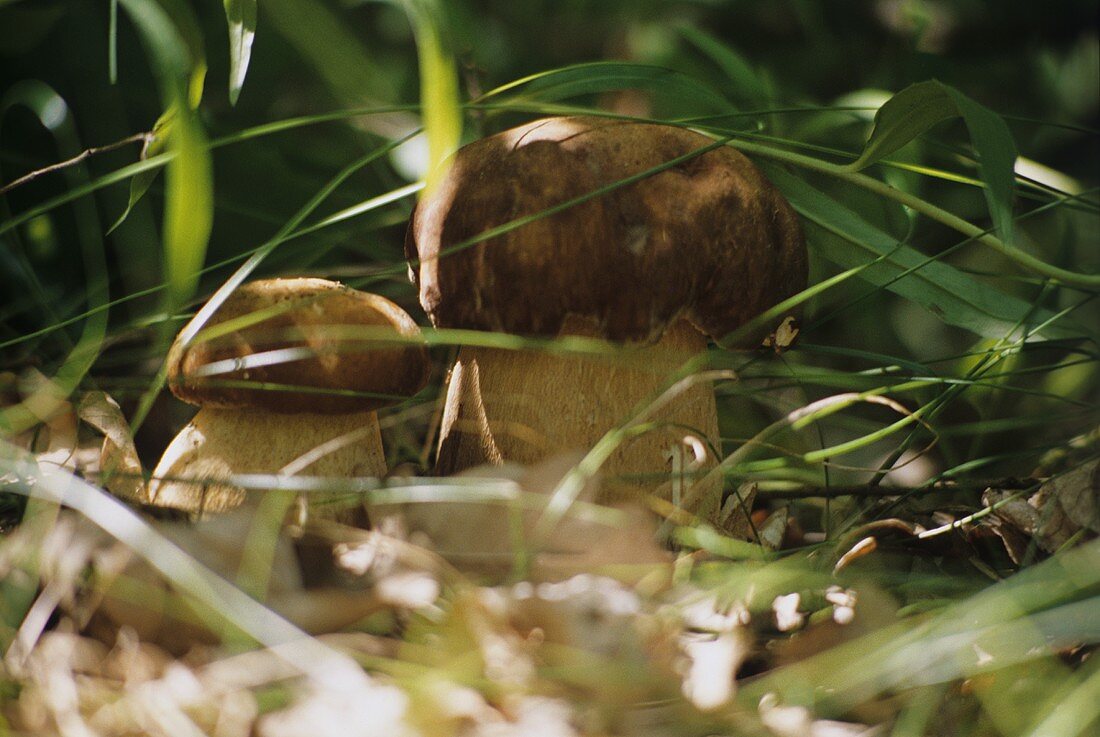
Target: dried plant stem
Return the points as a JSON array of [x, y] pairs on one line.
[[872, 490], [31, 176]]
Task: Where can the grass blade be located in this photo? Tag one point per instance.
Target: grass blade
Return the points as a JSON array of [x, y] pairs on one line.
[[606, 76], [170, 38], [439, 103], [951, 295], [240, 17], [112, 43], [747, 88]]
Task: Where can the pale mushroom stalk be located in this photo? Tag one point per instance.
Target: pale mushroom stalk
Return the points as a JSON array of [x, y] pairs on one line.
[[291, 392], [694, 246], [523, 406], [218, 443]]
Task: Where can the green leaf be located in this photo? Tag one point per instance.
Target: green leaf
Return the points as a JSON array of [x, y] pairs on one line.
[[188, 207], [240, 17], [180, 52], [155, 144], [953, 296], [439, 102], [996, 159], [606, 76], [917, 108], [170, 36]]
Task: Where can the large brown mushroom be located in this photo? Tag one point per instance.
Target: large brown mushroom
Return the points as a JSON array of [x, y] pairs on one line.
[[659, 264], [288, 374]]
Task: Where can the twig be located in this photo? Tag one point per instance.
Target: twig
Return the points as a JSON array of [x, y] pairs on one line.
[[872, 490], [136, 138]]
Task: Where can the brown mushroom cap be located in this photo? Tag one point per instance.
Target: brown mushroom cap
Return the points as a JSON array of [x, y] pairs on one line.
[[710, 239], [336, 367]]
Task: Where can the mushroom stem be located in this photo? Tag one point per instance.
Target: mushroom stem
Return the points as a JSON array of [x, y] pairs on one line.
[[219, 443], [526, 406]]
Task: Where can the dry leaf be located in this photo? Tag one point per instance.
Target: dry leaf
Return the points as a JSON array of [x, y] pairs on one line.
[[783, 336], [119, 466], [773, 530], [1076, 495], [1062, 507]]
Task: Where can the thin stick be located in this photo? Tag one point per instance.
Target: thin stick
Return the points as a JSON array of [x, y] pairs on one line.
[[136, 138], [832, 492]]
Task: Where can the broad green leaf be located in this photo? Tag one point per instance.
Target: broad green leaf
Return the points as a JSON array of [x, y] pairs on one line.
[[439, 103], [169, 33], [996, 158], [605, 76], [953, 296], [240, 17], [918, 107]]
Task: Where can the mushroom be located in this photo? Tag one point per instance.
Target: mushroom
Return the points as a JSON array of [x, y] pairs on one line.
[[288, 374], [659, 264]]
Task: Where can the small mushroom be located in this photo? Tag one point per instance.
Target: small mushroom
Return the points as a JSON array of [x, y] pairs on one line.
[[288, 374], [658, 264]]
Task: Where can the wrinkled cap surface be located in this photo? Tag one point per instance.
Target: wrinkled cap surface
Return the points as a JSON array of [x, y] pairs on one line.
[[709, 239], [301, 345]]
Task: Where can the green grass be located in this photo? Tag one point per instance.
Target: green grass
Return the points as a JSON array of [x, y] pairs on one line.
[[951, 322]]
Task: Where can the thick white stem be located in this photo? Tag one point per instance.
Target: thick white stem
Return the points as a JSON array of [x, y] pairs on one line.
[[527, 406], [220, 442]]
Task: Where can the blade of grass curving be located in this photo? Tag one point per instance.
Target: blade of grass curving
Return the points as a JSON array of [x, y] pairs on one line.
[[940, 288], [240, 18], [747, 89], [172, 40], [1022, 258], [606, 76], [440, 108], [171, 63], [837, 311], [364, 207], [53, 113], [192, 328], [917, 108]]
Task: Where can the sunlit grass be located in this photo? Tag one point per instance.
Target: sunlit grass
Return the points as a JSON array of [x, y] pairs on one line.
[[1005, 387]]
